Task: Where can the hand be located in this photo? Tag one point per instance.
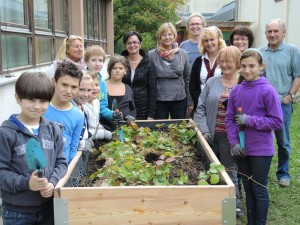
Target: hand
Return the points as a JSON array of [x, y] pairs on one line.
[[117, 117], [237, 152], [240, 119], [129, 118], [88, 145], [36, 183], [48, 191]]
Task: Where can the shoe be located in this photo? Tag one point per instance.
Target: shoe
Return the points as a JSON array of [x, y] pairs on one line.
[[284, 182], [239, 213]]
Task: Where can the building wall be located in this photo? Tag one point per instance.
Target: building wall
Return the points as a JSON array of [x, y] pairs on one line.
[[76, 26], [261, 11]]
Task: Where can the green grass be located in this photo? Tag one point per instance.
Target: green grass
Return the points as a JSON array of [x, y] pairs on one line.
[[284, 202]]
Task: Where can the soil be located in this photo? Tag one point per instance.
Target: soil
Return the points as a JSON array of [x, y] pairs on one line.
[[190, 163]]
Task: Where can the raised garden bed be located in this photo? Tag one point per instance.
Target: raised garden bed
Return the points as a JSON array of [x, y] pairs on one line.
[[184, 204]]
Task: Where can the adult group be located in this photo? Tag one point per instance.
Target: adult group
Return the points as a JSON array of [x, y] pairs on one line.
[[235, 105]]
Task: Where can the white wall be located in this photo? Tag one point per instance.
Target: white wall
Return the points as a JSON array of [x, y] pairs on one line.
[[261, 11], [203, 6]]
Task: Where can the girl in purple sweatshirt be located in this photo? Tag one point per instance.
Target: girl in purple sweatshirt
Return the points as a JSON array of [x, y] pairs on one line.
[[261, 115]]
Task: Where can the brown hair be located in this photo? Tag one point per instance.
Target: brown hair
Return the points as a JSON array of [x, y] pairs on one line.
[[93, 50], [242, 31], [113, 61], [67, 69]]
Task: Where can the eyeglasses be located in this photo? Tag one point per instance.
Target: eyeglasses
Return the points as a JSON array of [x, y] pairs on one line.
[[240, 39], [227, 62], [167, 35], [195, 24], [73, 37], [133, 43]]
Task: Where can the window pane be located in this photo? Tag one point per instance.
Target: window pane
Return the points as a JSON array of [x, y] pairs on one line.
[[96, 20], [85, 17], [14, 51], [60, 15], [41, 13], [58, 42], [43, 49], [12, 11], [90, 18]]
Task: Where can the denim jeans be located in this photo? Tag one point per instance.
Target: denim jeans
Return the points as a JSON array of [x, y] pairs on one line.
[[283, 143], [44, 217], [221, 149], [257, 196], [175, 109]]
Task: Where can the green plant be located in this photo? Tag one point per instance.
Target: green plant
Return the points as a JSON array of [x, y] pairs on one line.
[[148, 157]]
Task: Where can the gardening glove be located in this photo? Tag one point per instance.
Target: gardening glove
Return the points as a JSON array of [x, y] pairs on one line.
[[240, 119], [129, 118], [103, 134], [208, 138], [88, 145], [237, 152], [117, 117]]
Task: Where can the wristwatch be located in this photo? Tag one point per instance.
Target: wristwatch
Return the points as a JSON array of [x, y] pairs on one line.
[[292, 96]]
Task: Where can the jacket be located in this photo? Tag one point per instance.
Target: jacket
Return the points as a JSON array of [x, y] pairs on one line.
[[143, 86], [260, 102], [14, 171], [195, 83]]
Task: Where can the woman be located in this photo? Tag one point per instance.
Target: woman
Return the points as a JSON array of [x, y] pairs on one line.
[[206, 66], [241, 37], [71, 50], [211, 110], [172, 73], [141, 76]]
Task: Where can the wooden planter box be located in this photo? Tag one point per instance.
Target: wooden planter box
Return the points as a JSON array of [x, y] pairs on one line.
[[147, 205]]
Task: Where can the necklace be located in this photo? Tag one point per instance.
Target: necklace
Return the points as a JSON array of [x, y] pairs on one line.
[[135, 61]]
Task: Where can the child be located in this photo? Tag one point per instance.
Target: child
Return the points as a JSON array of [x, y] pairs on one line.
[[92, 108], [80, 98], [66, 81], [94, 57], [27, 198], [119, 91], [261, 115]]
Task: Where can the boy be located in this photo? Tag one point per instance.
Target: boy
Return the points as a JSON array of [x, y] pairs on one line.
[[67, 78], [27, 198], [94, 57]]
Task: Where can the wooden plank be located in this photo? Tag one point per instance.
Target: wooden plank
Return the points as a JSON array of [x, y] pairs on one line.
[[146, 205]]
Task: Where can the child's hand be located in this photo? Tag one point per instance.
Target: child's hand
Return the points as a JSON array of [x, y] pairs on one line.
[[36, 183], [48, 191]]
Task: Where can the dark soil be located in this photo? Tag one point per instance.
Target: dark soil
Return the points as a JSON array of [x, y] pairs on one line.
[[191, 164]]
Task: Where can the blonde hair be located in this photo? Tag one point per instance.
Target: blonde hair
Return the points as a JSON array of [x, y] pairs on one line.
[[163, 29], [211, 32], [93, 50], [231, 53], [86, 76], [62, 52], [93, 74]]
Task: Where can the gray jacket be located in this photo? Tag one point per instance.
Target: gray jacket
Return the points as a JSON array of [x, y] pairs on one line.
[[173, 79], [206, 112]]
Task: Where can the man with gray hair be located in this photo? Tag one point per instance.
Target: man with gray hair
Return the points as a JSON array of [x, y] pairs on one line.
[[282, 62]]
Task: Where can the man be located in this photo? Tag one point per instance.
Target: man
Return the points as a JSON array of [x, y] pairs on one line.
[[283, 71], [194, 26]]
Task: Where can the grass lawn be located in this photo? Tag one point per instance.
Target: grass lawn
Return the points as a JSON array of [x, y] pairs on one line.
[[284, 202]]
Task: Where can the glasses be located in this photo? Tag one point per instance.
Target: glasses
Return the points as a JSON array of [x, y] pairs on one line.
[[133, 43], [227, 62], [73, 37], [167, 35], [195, 24], [240, 39]]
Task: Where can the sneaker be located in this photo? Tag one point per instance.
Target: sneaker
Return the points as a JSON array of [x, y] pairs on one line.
[[284, 182], [239, 213]]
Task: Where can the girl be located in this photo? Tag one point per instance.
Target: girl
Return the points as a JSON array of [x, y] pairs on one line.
[[119, 91], [261, 115]]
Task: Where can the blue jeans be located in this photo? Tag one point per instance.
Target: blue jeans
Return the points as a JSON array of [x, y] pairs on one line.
[[221, 149], [257, 196], [176, 109], [283, 143], [44, 217]]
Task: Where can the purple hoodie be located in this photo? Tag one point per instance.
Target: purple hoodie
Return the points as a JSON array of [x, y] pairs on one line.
[[260, 102]]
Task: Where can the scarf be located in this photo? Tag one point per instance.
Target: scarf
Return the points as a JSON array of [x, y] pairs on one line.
[[169, 56], [210, 71], [80, 64]]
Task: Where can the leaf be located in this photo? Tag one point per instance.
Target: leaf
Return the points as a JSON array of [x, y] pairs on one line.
[[202, 182], [214, 179]]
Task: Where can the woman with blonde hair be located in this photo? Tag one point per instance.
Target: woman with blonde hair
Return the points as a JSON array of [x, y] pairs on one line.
[[172, 73], [206, 66], [72, 51]]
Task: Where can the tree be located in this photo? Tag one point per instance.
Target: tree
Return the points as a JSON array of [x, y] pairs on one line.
[[143, 16]]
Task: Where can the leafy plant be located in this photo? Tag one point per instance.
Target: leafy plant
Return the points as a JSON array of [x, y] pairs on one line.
[[147, 157]]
